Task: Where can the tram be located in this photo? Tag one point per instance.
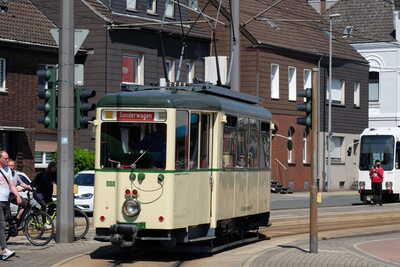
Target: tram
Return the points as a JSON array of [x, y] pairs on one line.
[[176, 165], [380, 144]]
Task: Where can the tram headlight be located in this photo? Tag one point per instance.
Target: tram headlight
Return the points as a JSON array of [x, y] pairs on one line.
[[361, 185], [131, 208], [389, 185]]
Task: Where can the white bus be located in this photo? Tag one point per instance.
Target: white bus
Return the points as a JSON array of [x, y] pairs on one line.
[[380, 144]]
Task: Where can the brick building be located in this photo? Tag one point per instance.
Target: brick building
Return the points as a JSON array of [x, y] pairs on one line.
[[279, 50]]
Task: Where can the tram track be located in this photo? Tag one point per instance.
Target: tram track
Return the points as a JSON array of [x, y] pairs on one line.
[[282, 227]]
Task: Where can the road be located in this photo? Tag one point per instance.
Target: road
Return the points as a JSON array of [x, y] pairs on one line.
[[287, 226], [301, 200]]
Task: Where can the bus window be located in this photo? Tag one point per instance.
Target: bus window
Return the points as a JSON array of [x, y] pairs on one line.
[[398, 155], [205, 141], [376, 147], [242, 152], [182, 140], [194, 140], [253, 143], [230, 142], [133, 145], [265, 154]]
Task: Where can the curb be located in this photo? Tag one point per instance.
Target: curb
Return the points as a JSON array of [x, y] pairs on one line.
[[60, 263]]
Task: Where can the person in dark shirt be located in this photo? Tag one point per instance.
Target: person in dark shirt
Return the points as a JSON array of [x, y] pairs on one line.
[[44, 185]]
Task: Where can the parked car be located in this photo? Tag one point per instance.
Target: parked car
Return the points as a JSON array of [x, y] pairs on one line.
[[84, 196]]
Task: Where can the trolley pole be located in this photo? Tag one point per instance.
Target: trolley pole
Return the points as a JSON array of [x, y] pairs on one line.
[[315, 162], [65, 165]]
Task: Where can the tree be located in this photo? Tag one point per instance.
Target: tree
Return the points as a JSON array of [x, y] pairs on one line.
[[84, 159]]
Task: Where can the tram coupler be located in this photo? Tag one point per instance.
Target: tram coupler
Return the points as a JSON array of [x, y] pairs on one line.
[[123, 235]]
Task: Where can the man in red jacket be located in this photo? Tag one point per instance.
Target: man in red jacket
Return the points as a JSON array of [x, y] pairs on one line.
[[376, 175]]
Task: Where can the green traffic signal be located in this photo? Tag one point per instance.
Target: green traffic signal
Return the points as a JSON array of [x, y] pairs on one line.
[[48, 92], [305, 107]]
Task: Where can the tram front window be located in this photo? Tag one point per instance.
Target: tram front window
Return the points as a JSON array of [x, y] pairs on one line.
[[133, 145], [377, 147]]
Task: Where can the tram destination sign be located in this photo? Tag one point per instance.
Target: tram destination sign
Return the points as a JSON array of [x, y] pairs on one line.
[[135, 116]]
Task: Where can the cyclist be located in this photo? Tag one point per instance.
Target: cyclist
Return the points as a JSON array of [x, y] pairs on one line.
[[6, 186], [44, 185], [18, 180]]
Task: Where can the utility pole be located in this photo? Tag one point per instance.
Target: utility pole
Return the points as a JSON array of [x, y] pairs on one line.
[[65, 165], [329, 173], [315, 162], [235, 46]]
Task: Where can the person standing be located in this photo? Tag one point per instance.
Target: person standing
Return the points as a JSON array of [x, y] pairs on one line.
[[376, 175], [6, 186]]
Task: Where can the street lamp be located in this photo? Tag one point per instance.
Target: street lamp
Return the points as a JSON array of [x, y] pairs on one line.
[[328, 178]]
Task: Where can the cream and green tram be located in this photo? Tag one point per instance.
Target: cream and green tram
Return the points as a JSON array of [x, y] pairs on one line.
[[179, 165]]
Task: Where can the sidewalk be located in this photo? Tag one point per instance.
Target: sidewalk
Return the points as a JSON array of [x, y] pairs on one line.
[[324, 194]]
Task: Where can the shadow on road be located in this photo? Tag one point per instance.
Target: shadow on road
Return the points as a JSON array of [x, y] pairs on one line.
[[155, 253]]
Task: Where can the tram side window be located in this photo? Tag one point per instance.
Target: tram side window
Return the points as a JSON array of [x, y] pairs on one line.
[[398, 155], [182, 140], [242, 152], [205, 141], [253, 143], [194, 140], [265, 153], [230, 142]]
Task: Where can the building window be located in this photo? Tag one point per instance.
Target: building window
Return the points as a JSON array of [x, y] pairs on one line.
[[338, 89], [373, 86], [132, 69], [305, 145], [190, 71], [194, 4], [292, 81], [274, 81], [336, 148], [169, 8], [170, 66], [357, 94], [131, 4], [151, 6], [79, 74], [44, 158], [290, 147], [3, 74]]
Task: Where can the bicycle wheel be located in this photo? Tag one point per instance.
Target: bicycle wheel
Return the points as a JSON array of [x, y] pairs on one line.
[[39, 228], [81, 224]]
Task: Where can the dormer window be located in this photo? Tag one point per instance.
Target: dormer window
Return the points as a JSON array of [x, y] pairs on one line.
[[169, 8], [347, 32], [151, 6], [131, 4]]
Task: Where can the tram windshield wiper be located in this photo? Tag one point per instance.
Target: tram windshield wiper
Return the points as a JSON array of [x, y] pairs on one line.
[[133, 165], [114, 161]]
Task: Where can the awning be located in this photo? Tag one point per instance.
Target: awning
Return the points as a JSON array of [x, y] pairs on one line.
[[12, 128], [45, 146]]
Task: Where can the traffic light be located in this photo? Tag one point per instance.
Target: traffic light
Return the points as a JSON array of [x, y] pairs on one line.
[[48, 92], [82, 107], [306, 107]]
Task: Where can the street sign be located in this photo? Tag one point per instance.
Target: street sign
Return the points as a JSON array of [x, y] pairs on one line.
[[79, 37]]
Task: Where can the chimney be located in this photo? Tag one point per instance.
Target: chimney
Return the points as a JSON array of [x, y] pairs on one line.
[[322, 6], [396, 24]]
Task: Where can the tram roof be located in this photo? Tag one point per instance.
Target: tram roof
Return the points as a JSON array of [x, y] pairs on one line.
[[154, 97]]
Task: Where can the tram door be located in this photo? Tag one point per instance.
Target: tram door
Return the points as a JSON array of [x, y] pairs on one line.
[[193, 158]]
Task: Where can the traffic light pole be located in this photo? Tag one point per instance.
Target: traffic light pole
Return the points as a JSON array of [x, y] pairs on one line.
[[65, 162], [315, 162]]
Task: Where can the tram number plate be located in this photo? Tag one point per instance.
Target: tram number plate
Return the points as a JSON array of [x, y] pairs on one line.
[[110, 183]]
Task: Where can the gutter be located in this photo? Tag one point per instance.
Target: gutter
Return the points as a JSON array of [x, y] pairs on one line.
[[26, 43]]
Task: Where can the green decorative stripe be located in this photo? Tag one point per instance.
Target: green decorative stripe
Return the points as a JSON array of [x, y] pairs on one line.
[[139, 225], [180, 171]]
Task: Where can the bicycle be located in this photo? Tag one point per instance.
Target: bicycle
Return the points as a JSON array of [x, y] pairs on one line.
[[81, 220], [36, 225]]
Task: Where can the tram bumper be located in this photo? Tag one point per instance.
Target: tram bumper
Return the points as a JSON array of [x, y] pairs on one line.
[[123, 235]]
